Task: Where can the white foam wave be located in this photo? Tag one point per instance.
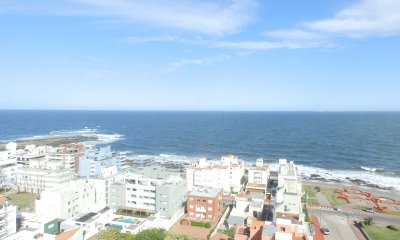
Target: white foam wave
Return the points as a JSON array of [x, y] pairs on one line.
[[102, 138], [371, 177], [305, 171]]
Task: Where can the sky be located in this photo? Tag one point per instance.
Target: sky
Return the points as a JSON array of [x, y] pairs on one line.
[[244, 55]]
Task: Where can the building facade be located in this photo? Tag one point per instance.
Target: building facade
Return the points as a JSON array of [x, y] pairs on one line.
[[204, 203], [8, 218], [150, 189], [226, 174], [67, 200]]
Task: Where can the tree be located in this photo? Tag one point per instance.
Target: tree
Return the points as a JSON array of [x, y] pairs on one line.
[[230, 232], [368, 221], [151, 234], [173, 236], [108, 234]]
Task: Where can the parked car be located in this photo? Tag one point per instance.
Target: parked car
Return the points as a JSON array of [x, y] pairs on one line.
[[325, 231], [370, 210]]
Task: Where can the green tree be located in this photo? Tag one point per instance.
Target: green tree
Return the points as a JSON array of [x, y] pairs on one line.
[[173, 236], [108, 234], [151, 234], [368, 221], [230, 232]]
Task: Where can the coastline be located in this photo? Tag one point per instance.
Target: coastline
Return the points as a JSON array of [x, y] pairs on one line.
[[55, 141]]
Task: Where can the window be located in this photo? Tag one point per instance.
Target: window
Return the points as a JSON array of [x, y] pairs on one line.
[[210, 209], [190, 206], [210, 201], [282, 229]]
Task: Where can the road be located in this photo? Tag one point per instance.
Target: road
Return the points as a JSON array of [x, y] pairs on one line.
[[339, 228], [381, 218]]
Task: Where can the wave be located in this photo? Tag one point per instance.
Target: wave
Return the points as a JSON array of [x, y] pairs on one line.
[[308, 172], [372, 169], [101, 137]]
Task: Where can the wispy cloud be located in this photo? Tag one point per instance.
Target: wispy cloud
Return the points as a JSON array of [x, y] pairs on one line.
[[204, 17], [166, 39], [197, 61], [367, 18], [364, 19], [266, 45]]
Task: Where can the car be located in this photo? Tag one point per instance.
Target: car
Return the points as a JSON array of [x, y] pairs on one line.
[[369, 209], [339, 209], [325, 231]]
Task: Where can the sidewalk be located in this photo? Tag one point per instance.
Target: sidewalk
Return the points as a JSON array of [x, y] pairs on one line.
[[357, 231], [317, 229]]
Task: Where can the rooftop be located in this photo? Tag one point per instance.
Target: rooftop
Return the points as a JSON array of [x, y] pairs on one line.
[[205, 192]]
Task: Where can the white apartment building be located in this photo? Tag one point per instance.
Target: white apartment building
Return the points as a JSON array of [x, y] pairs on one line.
[[226, 174], [259, 174], [151, 189], [8, 218], [102, 185], [38, 179], [289, 217], [8, 169], [67, 200]]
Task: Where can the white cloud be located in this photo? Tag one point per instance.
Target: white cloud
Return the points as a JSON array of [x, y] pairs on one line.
[[197, 61], [265, 45], [364, 19], [205, 17], [165, 38], [294, 34]]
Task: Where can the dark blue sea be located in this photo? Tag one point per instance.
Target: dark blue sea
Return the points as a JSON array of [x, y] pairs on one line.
[[363, 145]]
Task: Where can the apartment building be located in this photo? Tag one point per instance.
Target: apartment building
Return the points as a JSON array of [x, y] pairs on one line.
[[94, 160], [204, 203], [30, 179], [8, 169], [226, 173], [67, 200], [68, 155], [259, 173], [289, 216], [150, 189], [8, 218]]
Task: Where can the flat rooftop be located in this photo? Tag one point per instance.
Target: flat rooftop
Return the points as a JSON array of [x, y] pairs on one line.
[[205, 192]]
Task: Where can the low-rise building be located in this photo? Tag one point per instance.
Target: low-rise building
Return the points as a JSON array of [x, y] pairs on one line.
[[226, 174], [204, 203]]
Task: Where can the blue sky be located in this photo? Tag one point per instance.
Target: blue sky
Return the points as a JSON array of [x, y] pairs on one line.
[[317, 55]]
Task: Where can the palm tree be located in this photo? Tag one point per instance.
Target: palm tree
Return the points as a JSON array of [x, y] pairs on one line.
[[368, 221]]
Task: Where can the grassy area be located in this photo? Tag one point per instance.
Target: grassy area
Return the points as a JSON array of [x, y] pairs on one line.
[[381, 232], [22, 199], [332, 196], [311, 193]]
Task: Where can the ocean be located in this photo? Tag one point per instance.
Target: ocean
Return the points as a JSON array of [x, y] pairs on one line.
[[334, 145]]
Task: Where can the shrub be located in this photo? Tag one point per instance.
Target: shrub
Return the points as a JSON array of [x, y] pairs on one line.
[[200, 224], [393, 227]]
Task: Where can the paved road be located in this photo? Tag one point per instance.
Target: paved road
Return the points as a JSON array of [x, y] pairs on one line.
[[339, 228], [378, 217], [322, 199]]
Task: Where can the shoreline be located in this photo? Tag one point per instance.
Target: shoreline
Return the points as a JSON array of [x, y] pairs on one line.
[[51, 141]]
